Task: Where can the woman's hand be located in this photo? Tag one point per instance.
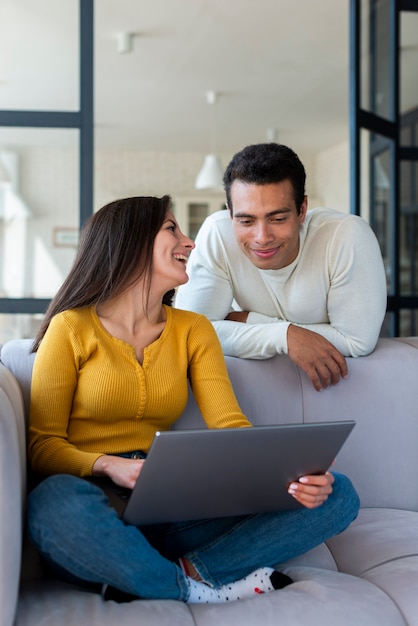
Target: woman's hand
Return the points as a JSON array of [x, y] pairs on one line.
[[312, 491], [123, 472]]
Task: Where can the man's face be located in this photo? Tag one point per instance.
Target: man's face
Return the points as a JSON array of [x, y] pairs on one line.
[[266, 222]]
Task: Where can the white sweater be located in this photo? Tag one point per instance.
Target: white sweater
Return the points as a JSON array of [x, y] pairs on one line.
[[336, 287]]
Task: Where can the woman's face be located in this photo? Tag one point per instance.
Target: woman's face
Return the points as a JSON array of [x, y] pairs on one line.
[[171, 251]]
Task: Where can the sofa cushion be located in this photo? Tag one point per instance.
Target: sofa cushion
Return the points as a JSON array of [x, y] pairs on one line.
[[318, 598], [376, 537], [399, 580]]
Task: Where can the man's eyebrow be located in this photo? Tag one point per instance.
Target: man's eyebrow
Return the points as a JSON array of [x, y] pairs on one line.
[[270, 214]]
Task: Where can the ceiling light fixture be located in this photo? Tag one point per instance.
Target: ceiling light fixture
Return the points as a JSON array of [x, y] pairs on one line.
[[124, 42], [211, 174], [272, 135]]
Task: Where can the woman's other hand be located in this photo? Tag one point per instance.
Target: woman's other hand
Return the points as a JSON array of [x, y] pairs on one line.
[[312, 491]]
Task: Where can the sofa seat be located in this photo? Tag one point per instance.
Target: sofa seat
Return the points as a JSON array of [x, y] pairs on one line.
[[356, 578], [381, 546], [320, 596]]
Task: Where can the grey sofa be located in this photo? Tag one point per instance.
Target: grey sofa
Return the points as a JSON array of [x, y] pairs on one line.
[[367, 575]]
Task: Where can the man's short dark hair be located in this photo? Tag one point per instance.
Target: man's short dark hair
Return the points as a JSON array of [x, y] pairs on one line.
[[263, 164]]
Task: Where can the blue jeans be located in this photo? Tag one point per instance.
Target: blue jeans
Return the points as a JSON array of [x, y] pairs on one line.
[[72, 525]]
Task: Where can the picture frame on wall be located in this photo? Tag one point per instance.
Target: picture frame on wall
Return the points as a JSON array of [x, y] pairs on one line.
[[65, 237]]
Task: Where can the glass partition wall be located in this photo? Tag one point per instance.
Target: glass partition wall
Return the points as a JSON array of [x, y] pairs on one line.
[[39, 213], [46, 156], [384, 149]]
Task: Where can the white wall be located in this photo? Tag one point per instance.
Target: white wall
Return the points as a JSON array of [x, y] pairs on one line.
[[48, 187], [122, 173], [331, 177]]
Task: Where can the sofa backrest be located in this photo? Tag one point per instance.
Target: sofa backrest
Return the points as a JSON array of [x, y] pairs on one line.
[[381, 394]]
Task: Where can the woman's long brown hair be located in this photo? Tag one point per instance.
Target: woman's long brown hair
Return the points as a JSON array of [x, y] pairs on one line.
[[115, 250]]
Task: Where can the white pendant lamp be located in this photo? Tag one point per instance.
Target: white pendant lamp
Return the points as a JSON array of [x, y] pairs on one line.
[[211, 174]]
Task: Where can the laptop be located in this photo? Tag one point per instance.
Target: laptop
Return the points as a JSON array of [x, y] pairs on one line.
[[197, 474]]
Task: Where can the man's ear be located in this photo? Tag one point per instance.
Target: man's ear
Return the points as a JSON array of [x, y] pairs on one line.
[[303, 209]]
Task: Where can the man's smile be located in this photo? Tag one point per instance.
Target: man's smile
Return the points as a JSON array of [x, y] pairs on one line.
[[265, 254]]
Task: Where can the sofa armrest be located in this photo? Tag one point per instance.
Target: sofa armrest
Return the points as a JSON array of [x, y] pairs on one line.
[[12, 492], [17, 357]]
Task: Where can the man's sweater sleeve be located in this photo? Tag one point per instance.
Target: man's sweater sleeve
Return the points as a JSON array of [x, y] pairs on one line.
[[357, 296], [253, 341]]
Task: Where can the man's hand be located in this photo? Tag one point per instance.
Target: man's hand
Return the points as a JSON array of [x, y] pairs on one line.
[[237, 316], [312, 491], [316, 356]]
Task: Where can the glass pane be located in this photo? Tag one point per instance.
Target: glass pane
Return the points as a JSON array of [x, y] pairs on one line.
[[197, 213], [408, 323], [376, 196], [387, 329], [35, 77], [409, 228], [405, 133], [365, 56], [409, 128], [365, 174], [375, 57], [18, 326], [380, 210], [409, 62], [39, 199]]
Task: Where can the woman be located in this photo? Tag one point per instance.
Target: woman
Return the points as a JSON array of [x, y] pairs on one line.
[[112, 367]]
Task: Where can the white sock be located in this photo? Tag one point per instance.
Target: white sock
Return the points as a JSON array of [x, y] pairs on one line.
[[202, 593], [256, 583]]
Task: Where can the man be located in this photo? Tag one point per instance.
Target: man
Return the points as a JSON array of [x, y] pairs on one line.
[[276, 278]]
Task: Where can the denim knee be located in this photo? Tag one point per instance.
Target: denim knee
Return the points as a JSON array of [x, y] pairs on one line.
[[346, 498], [50, 504]]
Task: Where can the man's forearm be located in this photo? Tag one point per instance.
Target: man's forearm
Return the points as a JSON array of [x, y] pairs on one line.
[[262, 341], [252, 341]]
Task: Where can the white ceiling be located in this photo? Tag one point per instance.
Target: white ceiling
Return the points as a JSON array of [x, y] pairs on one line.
[[279, 64], [275, 64]]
